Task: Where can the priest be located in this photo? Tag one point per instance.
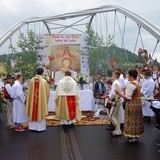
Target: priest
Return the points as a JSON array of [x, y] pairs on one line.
[[37, 102], [67, 106]]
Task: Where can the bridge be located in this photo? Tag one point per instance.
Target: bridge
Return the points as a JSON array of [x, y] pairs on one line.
[[129, 30]]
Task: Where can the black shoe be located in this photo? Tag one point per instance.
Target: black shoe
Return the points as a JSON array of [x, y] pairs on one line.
[[132, 140], [110, 128], [112, 132], [115, 134], [110, 125], [147, 119], [65, 127], [158, 144], [72, 125], [158, 126], [122, 126]]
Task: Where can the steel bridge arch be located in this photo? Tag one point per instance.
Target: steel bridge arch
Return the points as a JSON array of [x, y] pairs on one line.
[[142, 22]]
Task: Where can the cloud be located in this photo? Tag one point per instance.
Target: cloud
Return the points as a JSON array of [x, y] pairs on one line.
[[13, 11]]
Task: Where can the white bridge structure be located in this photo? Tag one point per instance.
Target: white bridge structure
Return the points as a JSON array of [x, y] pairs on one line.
[[129, 30]]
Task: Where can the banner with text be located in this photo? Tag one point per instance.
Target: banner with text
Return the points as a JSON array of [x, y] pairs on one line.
[[66, 51]]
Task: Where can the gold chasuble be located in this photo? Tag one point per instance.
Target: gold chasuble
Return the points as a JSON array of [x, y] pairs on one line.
[[37, 99], [67, 106]]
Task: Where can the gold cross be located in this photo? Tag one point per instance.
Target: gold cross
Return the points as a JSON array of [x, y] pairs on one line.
[[112, 61], [71, 102], [72, 113]]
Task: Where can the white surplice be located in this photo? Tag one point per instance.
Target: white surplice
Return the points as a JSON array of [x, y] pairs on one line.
[[122, 81], [17, 94], [113, 88], [147, 91]]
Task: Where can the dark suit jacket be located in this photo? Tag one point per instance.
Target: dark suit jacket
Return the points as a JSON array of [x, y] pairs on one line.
[[96, 88]]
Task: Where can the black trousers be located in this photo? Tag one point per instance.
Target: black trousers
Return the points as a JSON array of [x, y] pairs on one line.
[[157, 113]]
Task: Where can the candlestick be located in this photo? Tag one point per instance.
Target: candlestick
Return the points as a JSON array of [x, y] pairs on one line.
[[116, 94], [52, 74]]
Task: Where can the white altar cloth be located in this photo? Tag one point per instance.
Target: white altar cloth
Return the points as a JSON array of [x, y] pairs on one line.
[[86, 101]]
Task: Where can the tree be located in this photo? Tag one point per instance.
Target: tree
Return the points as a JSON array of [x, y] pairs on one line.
[[97, 52], [28, 58], [100, 53]]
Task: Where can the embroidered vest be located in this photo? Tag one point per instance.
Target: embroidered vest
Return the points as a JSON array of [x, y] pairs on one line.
[[6, 94], [136, 92]]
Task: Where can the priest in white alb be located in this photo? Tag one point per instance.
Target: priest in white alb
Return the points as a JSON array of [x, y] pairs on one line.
[[37, 102], [67, 97]]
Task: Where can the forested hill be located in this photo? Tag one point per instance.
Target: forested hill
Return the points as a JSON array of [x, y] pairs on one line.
[[124, 56], [7, 57], [119, 53]]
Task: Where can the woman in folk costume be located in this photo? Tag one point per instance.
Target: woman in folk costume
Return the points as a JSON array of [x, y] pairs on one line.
[[19, 99], [133, 123], [67, 106], [37, 102]]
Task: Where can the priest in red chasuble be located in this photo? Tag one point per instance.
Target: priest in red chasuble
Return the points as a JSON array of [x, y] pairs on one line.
[[67, 106], [37, 102]]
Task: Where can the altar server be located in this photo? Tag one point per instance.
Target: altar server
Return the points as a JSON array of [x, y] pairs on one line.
[[17, 94], [147, 91], [67, 106], [37, 102], [123, 84], [115, 105]]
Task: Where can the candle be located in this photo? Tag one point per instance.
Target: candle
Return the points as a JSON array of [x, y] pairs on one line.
[[52, 74], [116, 94]]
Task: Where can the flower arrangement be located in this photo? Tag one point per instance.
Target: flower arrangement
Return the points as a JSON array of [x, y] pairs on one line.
[[49, 69], [81, 78], [49, 66], [103, 111], [50, 81]]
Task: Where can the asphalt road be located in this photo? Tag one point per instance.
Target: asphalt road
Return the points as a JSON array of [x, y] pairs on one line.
[[80, 143]]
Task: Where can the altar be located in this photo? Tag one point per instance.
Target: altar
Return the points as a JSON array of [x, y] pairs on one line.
[[86, 101]]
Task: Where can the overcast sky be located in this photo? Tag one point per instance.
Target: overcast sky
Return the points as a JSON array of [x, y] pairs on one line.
[[13, 11]]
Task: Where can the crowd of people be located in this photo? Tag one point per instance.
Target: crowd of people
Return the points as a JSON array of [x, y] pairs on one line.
[[134, 99], [24, 108], [131, 101], [32, 107]]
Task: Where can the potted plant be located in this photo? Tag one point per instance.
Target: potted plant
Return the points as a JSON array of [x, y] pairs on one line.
[[103, 113]]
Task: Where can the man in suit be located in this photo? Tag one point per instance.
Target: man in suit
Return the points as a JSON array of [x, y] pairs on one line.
[[99, 88]]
